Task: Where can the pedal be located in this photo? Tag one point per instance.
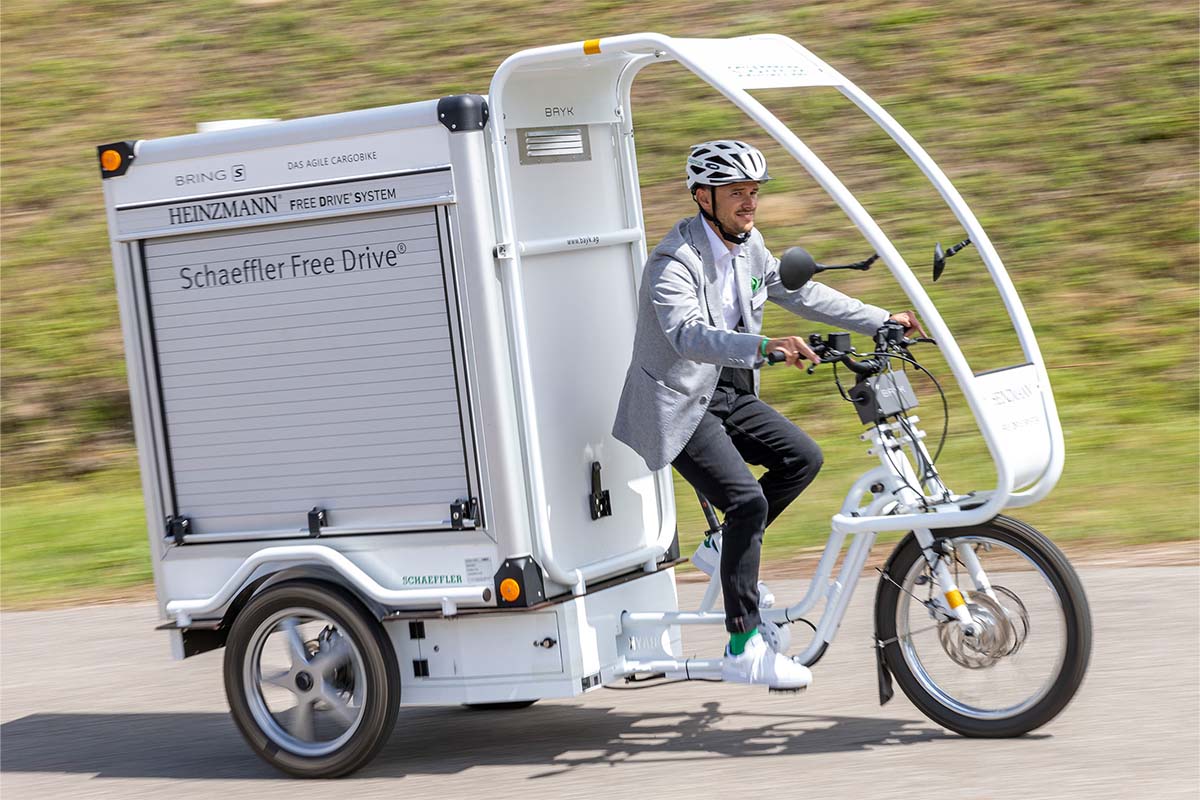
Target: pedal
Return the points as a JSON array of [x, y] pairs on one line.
[[777, 637]]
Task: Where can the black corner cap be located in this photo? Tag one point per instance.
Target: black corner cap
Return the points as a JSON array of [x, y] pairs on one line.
[[463, 112], [113, 165], [528, 575]]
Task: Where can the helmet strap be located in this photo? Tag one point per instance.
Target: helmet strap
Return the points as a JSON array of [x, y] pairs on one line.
[[735, 238]]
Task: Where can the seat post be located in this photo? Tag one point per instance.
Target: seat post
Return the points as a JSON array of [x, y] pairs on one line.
[[710, 514]]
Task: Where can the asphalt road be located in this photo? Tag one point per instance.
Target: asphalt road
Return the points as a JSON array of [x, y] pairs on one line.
[[92, 706]]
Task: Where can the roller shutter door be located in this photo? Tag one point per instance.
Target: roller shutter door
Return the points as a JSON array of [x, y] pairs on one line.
[[309, 365]]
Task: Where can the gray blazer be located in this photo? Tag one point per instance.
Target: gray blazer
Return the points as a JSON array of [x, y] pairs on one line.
[[682, 343]]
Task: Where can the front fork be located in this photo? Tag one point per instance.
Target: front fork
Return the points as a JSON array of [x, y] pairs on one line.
[[937, 554], [890, 440]]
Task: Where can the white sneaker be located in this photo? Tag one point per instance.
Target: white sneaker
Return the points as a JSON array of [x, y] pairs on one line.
[[761, 665], [707, 559], [766, 598]]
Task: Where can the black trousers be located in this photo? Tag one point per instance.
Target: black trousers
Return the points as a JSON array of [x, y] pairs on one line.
[[739, 428]]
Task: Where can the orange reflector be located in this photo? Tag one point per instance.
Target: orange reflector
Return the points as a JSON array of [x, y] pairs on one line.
[[955, 598], [591, 47], [510, 590], [110, 160]]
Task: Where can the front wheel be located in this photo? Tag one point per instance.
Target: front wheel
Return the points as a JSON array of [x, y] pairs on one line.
[[1031, 653]]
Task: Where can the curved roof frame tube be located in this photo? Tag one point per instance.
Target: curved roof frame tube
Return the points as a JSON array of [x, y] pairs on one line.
[[703, 58]]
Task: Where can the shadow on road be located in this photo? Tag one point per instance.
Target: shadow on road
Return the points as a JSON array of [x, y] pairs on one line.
[[443, 740]]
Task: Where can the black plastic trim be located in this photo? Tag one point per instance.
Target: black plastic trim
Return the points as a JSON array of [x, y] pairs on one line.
[[817, 655], [178, 527], [528, 575], [155, 365], [598, 500], [126, 149], [462, 113], [201, 640], [317, 519], [457, 331], [475, 479]]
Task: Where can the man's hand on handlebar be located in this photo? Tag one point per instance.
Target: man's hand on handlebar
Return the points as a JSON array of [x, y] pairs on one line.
[[912, 325], [794, 350]]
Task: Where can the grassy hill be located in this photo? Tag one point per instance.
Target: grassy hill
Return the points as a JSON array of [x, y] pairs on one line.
[[1070, 128]]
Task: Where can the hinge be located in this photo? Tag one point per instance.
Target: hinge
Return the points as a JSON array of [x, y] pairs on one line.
[[316, 521], [600, 505], [462, 513], [416, 629], [178, 527], [420, 668]]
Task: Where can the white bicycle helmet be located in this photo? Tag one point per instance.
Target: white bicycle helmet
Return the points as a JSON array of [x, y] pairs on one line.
[[723, 162]]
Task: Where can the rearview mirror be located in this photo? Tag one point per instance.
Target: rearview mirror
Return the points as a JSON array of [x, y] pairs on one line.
[[796, 268]]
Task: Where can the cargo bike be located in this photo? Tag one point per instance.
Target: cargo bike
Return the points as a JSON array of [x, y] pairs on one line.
[[377, 473]]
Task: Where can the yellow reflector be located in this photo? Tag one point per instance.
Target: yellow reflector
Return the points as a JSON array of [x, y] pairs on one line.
[[591, 47], [110, 160], [510, 590], [955, 598]]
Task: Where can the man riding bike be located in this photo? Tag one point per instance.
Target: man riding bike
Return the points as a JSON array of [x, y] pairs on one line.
[[691, 393]]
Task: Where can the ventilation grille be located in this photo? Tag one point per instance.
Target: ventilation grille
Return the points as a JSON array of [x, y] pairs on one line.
[[553, 145]]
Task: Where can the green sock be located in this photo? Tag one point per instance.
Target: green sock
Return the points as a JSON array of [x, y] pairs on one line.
[[737, 641]]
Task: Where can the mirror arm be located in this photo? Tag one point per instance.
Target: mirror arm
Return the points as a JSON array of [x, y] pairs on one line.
[[863, 265]]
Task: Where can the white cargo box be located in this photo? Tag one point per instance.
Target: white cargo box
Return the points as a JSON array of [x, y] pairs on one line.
[[321, 351]]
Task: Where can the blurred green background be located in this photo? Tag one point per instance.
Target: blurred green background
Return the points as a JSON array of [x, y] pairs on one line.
[[1069, 127]]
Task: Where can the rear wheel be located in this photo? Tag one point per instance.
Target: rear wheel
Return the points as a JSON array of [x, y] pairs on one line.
[[311, 679], [1030, 656]]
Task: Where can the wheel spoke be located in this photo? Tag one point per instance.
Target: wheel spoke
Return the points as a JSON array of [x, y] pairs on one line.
[[910, 634], [333, 654], [302, 721], [340, 708], [295, 641], [280, 679]]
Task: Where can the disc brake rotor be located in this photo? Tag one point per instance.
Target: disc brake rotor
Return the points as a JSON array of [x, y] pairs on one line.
[[1003, 631], [342, 678], [1018, 615]]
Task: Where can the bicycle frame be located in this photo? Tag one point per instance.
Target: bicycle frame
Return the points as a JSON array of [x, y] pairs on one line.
[[889, 488]]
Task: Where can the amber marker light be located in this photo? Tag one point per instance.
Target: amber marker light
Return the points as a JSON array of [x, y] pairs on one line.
[[510, 590], [110, 160]]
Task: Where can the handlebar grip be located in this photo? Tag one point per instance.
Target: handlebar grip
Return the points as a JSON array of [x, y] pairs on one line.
[[776, 357]]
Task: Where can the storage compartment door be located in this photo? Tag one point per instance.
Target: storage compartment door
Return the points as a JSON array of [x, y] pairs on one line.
[[310, 365]]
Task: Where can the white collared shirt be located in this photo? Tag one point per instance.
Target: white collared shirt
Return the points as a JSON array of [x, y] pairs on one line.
[[723, 256]]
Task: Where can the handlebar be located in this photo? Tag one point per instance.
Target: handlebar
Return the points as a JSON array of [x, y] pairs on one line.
[[836, 349], [888, 338]]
